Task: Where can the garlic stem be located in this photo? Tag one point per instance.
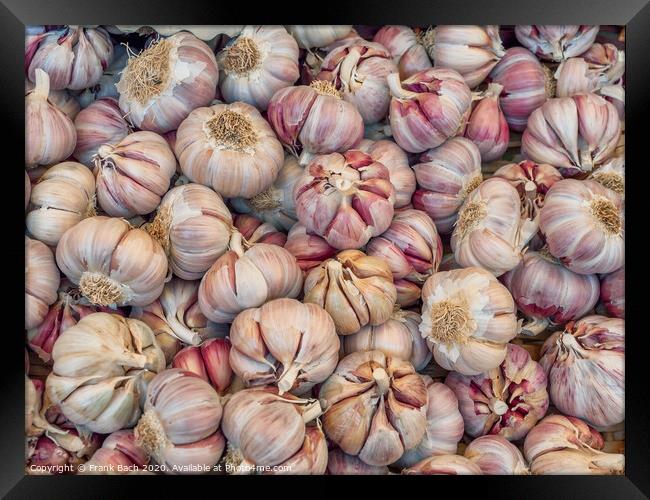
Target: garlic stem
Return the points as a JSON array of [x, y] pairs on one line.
[[396, 89], [534, 327], [236, 243], [311, 411], [586, 161], [181, 332], [42, 84], [497, 406], [288, 377], [305, 157], [382, 380]]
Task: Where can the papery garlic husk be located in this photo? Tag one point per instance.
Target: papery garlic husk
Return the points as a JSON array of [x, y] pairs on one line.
[[342, 464], [345, 198], [308, 249], [611, 174], [102, 122], [612, 293], [119, 454], [316, 119], [495, 455], [209, 360], [374, 407], [405, 48], [467, 319], [62, 99], [256, 63], [614, 94], [179, 427], [74, 57], [42, 280], [161, 86], [491, 231], [584, 226], [585, 366], [284, 343], [193, 225], [507, 400], [248, 276], [445, 176], [255, 231], [428, 108], [275, 205], [452, 465], [556, 42], [526, 85], [230, 148], [113, 263], [50, 136], [355, 289], [444, 425], [317, 35], [133, 174], [487, 126], [600, 66], [574, 134], [101, 368]]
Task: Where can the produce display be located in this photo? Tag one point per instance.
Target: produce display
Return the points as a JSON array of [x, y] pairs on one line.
[[324, 250]]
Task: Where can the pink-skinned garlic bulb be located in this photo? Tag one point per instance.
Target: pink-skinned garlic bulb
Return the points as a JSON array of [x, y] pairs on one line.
[[612, 293], [167, 80], [602, 65], [556, 42], [42, 280], [119, 454], [445, 465], [497, 456], [209, 360], [342, 464], [487, 126], [255, 231], [585, 366], [468, 318], [428, 108], [317, 35], [584, 226], [507, 400], [308, 249], [405, 47]]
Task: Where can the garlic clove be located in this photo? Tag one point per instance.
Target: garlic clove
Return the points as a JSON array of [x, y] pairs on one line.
[[383, 443]]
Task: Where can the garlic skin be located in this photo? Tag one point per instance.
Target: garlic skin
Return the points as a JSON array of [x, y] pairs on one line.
[[101, 366], [28, 189], [209, 360], [574, 134], [487, 126], [445, 176], [62, 99], [611, 174], [345, 198], [600, 66], [311, 459], [467, 319], [317, 35], [585, 366], [247, 276], [428, 108], [526, 86], [179, 427], [230, 148], [452, 465], [496, 456], [584, 226], [531, 180], [255, 231], [374, 407], [342, 464], [73, 57], [44, 453], [405, 48], [256, 63], [308, 249], [113, 263], [354, 288], [50, 136], [102, 122], [118, 449], [62, 197], [193, 225], [612, 293], [41, 282], [556, 43], [471, 50]]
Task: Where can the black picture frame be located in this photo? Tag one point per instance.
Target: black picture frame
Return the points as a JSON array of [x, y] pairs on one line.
[[16, 14]]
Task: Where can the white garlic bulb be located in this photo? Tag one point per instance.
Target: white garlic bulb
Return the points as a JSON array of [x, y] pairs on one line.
[[41, 282], [495, 455]]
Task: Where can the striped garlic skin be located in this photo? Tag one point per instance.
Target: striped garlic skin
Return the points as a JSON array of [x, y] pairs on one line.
[[310, 460], [556, 42], [118, 449], [522, 174], [612, 293], [63, 196], [62, 99], [590, 72], [342, 464], [255, 231], [41, 282], [452, 465], [405, 48], [495, 455], [308, 249], [585, 366], [208, 360], [487, 126], [316, 36]]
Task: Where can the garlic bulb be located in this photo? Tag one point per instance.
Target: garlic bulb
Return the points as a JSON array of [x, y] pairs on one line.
[[247, 277], [133, 174], [255, 231], [229, 147], [611, 174], [342, 464], [308, 249], [161, 86], [445, 176], [345, 198], [209, 360], [50, 135], [275, 205], [113, 263], [583, 223], [495, 455], [193, 226], [467, 319], [311, 459], [507, 400], [612, 293], [374, 407], [428, 108], [600, 66], [526, 85], [257, 63], [585, 366], [556, 42], [63, 196], [284, 343], [101, 367], [74, 57], [41, 282], [490, 231], [317, 35], [487, 126], [119, 454], [179, 426], [314, 118], [100, 123], [405, 48], [62, 99], [355, 289], [444, 425], [471, 50], [453, 465]]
